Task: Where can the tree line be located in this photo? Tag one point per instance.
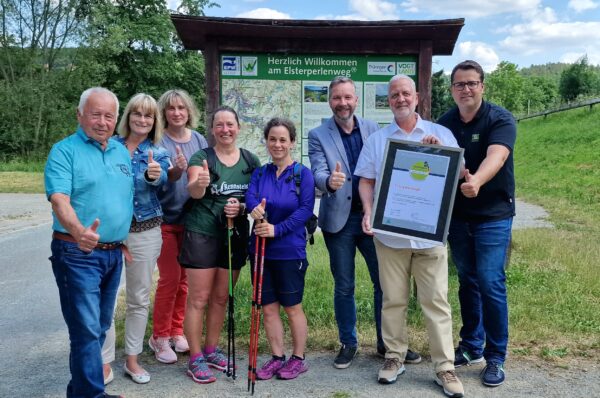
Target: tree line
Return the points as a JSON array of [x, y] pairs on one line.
[[51, 50], [527, 90]]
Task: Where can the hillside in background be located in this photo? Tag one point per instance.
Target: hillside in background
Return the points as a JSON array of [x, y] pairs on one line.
[[557, 159]]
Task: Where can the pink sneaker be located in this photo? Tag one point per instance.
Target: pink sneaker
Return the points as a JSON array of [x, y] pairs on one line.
[[292, 369], [270, 368], [180, 343], [162, 349]]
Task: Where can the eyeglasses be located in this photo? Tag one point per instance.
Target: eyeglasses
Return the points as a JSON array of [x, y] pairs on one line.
[[460, 86]]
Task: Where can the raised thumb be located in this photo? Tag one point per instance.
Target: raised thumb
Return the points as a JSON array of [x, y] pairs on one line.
[[150, 160], [95, 225], [178, 150], [467, 175], [338, 167], [263, 203], [205, 165]]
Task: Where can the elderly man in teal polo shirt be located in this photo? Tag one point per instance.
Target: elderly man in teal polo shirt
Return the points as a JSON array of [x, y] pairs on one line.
[[89, 182]]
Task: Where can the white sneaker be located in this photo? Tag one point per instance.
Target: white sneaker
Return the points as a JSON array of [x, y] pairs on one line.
[[162, 349], [180, 343]]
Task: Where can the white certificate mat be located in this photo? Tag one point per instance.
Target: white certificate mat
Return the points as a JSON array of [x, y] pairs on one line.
[[414, 197]]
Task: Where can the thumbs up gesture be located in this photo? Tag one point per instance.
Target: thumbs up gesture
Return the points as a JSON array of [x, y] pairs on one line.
[[337, 177], [89, 238], [180, 160], [258, 213], [154, 170], [203, 176], [470, 188]]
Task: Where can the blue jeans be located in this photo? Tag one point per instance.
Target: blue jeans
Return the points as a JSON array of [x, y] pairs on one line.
[[342, 250], [479, 251], [87, 285]]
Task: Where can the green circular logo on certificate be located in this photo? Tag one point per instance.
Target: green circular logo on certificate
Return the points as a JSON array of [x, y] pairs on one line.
[[419, 171]]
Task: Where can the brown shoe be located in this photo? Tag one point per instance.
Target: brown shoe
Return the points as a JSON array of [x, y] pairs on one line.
[[450, 383], [392, 367]]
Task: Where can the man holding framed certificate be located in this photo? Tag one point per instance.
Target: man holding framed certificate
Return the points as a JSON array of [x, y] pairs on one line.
[[401, 257]]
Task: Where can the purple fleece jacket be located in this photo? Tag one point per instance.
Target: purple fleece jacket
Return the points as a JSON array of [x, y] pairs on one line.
[[286, 210]]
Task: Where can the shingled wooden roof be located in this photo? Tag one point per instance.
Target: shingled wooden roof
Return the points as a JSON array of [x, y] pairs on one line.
[[322, 36]]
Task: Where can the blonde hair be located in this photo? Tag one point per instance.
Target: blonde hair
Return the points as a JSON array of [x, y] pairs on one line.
[[170, 97], [143, 103]]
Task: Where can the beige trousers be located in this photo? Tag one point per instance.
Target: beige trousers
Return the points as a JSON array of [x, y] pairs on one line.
[[145, 249], [429, 267]]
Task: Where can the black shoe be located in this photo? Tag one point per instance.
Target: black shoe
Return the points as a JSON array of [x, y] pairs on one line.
[[345, 357], [412, 357], [112, 396]]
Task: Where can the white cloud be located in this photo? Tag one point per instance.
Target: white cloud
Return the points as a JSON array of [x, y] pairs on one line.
[[483, 53], [570, 37], [366, 10], [264, 13], [582, 5], [374, 9], [470, 8]]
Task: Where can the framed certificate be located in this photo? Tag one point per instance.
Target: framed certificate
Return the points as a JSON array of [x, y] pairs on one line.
[[415, 194]]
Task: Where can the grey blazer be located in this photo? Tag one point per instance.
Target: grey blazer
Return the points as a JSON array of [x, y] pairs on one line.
[[325, 148]]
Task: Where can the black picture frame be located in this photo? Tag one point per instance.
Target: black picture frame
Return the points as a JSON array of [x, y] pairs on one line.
[[409, 170]]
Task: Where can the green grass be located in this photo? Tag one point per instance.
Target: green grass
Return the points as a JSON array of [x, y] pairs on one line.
[[18, 176]]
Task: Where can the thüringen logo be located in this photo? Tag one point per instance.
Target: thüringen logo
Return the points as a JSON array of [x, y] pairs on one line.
[[381, 68], [230, 65]]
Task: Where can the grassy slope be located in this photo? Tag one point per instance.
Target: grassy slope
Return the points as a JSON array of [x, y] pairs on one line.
[[554, 279]]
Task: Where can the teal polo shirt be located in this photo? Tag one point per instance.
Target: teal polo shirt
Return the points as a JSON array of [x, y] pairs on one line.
[[99, 183]]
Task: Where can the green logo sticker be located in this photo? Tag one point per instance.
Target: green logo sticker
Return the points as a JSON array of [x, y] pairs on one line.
[[475, 138], [419, 171]]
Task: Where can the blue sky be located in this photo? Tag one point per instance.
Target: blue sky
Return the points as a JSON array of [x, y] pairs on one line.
[[523, 32]]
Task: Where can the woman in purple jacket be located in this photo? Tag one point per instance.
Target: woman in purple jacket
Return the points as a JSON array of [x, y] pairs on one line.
[[285, 192]]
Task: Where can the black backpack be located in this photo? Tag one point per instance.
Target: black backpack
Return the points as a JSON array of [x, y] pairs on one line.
[[312, 222]]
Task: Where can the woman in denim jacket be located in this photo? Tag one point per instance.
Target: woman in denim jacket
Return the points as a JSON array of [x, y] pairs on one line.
[[140, 130]]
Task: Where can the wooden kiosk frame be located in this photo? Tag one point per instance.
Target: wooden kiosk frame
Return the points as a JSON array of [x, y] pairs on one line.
[[213, 36]]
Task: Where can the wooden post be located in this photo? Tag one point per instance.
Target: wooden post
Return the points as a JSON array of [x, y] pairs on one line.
[[424, 77], [212, 78]]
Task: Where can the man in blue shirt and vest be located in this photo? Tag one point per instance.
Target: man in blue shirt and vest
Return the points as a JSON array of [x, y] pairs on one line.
[[89, 183], [480, 231], [333, 149]]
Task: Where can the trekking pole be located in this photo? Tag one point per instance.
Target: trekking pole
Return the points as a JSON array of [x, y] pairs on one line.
[[253, 313], [230, 317], [258, 308]]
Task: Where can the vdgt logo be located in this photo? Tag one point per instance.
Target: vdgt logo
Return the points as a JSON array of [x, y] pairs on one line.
[[407, 68], [230, 65], [381, 68]]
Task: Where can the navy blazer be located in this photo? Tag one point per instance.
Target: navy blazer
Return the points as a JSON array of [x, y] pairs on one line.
[[325, 148]]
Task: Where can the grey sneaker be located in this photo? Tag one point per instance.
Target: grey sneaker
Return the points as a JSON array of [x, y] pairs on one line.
[[450, 383], [463, 357], [345, 356], [392, 367]]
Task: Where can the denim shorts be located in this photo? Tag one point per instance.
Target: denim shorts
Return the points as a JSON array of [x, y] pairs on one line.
[[204, 252], [283, 281]]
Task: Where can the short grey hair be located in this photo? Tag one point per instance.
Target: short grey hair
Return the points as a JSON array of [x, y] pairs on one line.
[[340, 80], [97, 90], [402, 76]]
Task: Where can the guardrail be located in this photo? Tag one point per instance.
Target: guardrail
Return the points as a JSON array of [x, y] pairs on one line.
[[589, 103]]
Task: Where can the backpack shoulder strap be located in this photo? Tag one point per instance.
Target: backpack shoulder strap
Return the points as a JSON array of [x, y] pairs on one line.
[[298, 176], [211, 160], [250, 161]]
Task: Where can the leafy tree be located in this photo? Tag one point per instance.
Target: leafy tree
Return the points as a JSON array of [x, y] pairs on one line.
[[504, 86], [34, 68], [137, 45], [578, 79], [539, 93], [441, 99]]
